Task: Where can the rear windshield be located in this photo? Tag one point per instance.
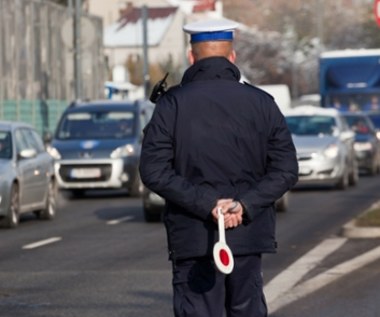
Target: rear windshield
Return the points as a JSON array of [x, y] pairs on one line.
[[5, 145], [97, 125]]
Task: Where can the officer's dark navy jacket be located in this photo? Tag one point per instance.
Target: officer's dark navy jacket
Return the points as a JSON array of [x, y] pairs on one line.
[[213, 137]]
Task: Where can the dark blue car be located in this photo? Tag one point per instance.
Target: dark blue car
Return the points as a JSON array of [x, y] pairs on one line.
[[97, 145], [367, 145]]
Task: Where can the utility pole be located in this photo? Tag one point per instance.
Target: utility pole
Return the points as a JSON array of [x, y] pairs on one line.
[[77, 48], [320, 27], [144, 17]]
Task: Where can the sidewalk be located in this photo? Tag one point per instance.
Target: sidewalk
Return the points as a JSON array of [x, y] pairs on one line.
[[352, 230]]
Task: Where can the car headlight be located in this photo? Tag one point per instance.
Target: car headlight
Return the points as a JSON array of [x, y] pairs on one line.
[[331, 151], [53, 152], [362, 146], [123, 151]]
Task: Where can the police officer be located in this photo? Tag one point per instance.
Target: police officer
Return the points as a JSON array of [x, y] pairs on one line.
[[215, 142]]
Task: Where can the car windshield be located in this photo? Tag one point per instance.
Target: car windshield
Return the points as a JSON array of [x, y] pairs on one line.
[[5, 145], [97, 125], [358, 124], [317, 125]]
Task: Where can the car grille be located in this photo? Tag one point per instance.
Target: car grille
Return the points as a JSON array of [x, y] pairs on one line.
[[65, 172], [305, 158]]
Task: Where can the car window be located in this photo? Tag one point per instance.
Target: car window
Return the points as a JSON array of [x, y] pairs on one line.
[[97, 125], [359, 124], [311, 125], [35, 140], [21, 142], [5, 145], [28, 139]]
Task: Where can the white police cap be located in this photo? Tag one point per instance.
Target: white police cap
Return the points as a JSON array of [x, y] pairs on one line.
[[211, 30]]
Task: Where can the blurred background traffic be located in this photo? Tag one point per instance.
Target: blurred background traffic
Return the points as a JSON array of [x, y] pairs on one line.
[[79, 73]]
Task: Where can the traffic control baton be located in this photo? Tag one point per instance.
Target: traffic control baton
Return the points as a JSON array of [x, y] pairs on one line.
[[223, 257]]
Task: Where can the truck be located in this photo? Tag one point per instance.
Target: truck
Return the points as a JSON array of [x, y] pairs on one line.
[[349, 80]]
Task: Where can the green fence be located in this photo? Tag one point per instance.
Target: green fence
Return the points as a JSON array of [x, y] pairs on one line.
[[43, 115]]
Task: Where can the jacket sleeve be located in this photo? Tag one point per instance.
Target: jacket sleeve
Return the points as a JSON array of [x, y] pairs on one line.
[[281, 172], [157, 164]]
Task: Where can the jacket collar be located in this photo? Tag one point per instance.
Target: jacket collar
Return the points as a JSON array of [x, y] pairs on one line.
[[211, 68]]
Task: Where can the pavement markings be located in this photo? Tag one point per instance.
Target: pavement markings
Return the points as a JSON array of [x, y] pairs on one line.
[[284, 281], [41, 243], [119, 220], [326, 278]]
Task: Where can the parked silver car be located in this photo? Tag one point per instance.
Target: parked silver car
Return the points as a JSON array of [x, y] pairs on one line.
[[26, 175], [325, 147]]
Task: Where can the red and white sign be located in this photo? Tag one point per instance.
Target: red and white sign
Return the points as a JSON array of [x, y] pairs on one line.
[[204, 5], [223, 258], [376, 9]]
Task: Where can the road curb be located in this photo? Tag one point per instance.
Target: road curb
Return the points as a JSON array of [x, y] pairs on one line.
[[352, 230]]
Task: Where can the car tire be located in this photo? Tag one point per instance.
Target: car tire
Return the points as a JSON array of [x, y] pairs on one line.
[[372, 169], [137, 187], [12, 219], [152, 214], [50, 209], [344, 181], [354, 176]]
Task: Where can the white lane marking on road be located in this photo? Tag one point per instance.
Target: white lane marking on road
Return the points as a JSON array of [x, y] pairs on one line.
[[119, 220], [325, 278], [41, 243], [284, 281]]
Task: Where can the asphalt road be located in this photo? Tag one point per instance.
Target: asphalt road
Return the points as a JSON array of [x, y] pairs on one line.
[[99, 258]]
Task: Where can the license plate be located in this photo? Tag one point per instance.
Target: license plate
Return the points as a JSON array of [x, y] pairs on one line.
[[85, 173]]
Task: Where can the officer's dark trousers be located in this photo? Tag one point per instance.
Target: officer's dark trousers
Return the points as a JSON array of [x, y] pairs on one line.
[[202, 291]]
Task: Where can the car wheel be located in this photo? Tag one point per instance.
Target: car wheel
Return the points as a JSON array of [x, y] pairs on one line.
[[11, 220], [152, 214], [354, 176], [344, 181], [50, 210], [137, 187], [373, 169]]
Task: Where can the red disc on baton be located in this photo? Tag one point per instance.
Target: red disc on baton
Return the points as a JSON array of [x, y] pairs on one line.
[[224, 258]]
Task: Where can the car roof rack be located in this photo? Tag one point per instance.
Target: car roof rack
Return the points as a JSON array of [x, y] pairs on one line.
[[78, 102]]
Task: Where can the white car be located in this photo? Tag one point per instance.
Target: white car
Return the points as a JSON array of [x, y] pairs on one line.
[[325, 147]]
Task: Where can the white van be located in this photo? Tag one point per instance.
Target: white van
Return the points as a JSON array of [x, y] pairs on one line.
[[280, 93]]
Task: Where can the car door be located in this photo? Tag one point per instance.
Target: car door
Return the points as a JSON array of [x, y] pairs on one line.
[[25, 171], [29, 172], [41, 164]]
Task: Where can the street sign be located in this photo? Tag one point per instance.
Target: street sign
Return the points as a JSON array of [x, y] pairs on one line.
[[376, 9]]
